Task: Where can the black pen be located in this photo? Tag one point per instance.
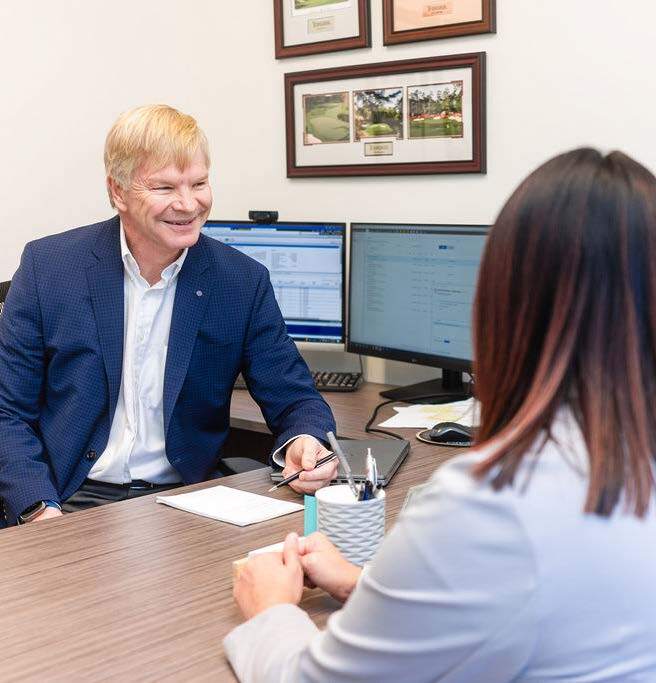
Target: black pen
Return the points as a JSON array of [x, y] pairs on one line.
[[293, 477]]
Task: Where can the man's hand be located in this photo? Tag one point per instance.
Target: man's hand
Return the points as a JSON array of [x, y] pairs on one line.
[[270, 579], [325, 567], [48, 513], [303, 453]]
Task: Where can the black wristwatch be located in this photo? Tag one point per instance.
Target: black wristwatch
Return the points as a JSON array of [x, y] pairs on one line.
[[35, 510]]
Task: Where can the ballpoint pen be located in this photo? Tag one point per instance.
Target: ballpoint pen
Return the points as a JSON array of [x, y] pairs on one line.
[[292, 477], [368, 490], [375, 474], [343, 462]]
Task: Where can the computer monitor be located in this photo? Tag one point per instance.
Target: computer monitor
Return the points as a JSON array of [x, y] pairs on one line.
[[411, 289], [306, 265]]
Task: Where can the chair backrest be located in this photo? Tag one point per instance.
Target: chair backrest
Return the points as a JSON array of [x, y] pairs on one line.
[[4, 289]]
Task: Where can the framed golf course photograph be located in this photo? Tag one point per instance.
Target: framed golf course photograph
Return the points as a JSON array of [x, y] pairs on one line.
[[406, 21], [307, 27], [415, 116]]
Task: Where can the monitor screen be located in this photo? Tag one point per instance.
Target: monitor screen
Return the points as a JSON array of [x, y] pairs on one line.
[[306, 266], [411, 291]]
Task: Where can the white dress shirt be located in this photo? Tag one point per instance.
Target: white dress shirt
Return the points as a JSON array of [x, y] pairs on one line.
[[478, 586], [136, 445]]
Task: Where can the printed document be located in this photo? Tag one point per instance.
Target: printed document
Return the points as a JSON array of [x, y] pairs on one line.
[[425, 416]]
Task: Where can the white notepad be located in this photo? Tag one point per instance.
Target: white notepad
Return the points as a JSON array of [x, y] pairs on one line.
[[230, 505]]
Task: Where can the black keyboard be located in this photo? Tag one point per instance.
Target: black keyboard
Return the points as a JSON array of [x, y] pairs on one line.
[[325, 380]]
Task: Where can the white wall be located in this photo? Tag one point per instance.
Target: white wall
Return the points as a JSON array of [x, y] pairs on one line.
[[560, 74]]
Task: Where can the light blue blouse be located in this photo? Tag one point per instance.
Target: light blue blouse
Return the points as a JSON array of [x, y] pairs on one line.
[[478, 586]]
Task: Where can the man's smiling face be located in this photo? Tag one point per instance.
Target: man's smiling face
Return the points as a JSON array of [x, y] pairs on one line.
[[164, 209]]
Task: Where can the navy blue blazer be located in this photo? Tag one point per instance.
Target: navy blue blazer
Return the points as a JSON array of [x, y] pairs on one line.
[[61, 354]]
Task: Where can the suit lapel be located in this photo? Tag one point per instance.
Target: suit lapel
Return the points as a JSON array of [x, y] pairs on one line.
[[191, 296], [105, 280]]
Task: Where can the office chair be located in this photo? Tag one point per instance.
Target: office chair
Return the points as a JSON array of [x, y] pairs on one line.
[[237, 465], [4, 289]]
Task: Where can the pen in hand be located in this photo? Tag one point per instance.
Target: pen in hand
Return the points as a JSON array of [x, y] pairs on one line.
[[296, 475]]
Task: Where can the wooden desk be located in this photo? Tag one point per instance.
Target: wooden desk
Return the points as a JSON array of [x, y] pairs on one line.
[[136, 591]]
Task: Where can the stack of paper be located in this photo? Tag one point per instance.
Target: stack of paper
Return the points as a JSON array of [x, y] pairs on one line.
[[238, 565], [425, 416], [273, 548], [230, 505]]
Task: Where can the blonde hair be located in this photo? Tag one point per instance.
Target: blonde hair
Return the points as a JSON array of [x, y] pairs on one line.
[[156, 133]]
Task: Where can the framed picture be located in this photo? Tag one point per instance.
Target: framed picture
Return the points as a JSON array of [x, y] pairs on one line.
[[307, 27], [408, 117], [406, 21]]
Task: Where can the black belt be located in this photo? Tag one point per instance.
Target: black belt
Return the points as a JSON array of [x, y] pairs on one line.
[[134, 485]]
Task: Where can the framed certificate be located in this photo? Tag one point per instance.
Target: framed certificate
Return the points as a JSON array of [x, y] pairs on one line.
[[392, 118], [307, 27], [407, 21]]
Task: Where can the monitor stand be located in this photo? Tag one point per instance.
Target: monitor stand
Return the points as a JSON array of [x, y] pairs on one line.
[[446, 389]]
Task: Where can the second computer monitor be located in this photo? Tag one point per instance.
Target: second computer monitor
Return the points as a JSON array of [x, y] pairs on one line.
[[306, 266], [411, 293]]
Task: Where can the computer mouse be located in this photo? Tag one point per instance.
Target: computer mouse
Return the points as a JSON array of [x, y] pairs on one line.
[[448, 433]]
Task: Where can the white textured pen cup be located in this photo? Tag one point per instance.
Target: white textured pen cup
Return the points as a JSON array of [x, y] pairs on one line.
[[355, 527]]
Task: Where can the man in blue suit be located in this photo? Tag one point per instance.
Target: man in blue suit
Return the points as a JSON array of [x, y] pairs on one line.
[[120, 342]]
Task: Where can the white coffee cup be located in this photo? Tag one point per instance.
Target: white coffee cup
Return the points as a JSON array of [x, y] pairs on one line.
[[355, 527]]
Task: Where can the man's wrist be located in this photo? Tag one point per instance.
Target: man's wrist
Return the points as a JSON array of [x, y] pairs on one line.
[[33, 511], [278, 456]]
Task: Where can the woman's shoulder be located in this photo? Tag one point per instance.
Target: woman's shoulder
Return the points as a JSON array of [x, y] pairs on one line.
[[553, 474], [558, 450]]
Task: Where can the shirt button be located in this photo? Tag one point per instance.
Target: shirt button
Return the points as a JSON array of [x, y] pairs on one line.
[[199, 292], [91, 455]]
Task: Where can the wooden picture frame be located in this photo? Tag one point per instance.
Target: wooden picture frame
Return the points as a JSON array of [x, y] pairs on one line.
[[415, 116], [408, 21], [322, 26]]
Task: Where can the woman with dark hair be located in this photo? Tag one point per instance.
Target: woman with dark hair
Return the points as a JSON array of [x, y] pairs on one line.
[[531, 557]]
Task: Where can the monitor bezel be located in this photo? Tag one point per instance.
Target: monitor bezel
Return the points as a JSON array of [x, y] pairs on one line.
[[389, 353], [292, 224]]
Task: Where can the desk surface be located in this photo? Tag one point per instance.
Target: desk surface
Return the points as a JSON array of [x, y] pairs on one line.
[[137, 591]]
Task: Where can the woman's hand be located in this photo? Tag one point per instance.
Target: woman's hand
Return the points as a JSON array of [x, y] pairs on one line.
[[270, 579], [325, 567]]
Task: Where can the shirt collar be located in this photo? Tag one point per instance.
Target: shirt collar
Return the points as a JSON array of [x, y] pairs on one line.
[[132, 267]]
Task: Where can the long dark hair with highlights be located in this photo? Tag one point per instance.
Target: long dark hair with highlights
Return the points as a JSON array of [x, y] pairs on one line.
[[565, 315]]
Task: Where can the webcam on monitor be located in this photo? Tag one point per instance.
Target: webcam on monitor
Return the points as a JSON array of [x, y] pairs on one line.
[[263, 216]]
